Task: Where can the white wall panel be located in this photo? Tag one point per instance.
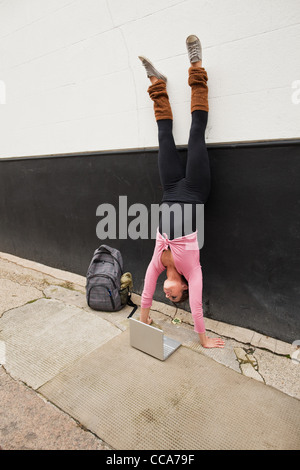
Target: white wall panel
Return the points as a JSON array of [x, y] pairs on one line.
[[74, 83]]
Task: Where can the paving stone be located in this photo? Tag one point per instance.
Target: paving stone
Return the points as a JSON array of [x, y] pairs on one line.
[[249, 371], [43, 337], [13, 294], [264, 342], [241, 354], [29, 422], [283, 348]]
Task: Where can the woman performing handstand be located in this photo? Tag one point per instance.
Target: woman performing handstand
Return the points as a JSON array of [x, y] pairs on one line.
[[186, 186]]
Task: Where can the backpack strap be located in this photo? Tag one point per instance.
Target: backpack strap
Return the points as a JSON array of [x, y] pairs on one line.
[[132, 304]]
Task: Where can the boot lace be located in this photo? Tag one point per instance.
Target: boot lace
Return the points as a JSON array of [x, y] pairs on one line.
[[194, 51]]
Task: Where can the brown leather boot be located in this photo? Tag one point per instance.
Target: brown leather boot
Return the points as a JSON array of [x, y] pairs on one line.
[[198, 83], [158, 93]]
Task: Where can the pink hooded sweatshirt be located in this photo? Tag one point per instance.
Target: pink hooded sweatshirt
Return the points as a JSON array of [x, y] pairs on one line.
[[186, 255]]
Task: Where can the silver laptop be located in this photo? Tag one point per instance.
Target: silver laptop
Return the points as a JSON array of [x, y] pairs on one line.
[[151, 340]]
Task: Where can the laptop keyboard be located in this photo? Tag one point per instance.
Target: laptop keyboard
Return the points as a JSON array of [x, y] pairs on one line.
[[167, 348]]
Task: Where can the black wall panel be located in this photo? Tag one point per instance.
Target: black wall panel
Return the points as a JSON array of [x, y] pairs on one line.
[[250, 257]]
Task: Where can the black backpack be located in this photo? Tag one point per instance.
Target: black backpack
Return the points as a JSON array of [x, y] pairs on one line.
[[103, 282]]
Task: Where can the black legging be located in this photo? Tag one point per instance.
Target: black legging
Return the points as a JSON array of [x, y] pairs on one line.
[[188, 184]]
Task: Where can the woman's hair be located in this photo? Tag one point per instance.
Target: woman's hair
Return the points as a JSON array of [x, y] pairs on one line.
[[184, 297], [185, 293]]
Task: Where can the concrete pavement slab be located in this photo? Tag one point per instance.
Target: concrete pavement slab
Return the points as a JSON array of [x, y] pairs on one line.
[[134, 401], [32, 423], [279, 372], [43, 337], [13, 294], [28, 271]]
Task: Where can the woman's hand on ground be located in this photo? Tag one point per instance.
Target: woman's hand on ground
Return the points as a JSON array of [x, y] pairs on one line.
[[212, 342], [144, 316], [147, 320]]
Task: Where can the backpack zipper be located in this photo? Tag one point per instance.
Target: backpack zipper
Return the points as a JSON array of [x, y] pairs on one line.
[[104, 275], [113, 257]]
